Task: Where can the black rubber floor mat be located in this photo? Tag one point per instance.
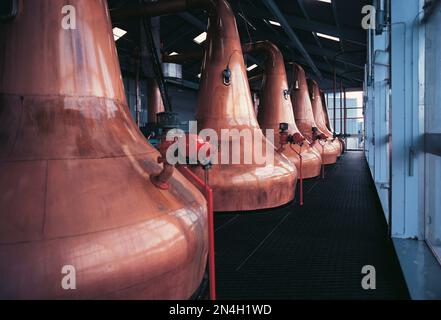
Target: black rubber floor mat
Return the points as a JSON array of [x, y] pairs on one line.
[[312, 252]]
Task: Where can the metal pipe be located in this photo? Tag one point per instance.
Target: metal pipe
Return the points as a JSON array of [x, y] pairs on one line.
[[341, 107], [158, 8], [274, 9]]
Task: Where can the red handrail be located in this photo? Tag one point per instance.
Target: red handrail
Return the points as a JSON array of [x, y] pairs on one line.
[[300, 173]]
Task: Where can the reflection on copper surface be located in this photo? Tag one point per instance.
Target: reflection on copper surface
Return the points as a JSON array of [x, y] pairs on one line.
[[225, 103], [74, 171], [304, 116], [275, 107]]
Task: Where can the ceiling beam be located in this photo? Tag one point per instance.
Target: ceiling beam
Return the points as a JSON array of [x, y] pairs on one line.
[[274, 9], [197, 23], [353, 35]]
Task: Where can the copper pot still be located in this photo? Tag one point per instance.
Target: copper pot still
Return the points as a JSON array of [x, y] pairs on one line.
[[304, 117], [225, 103], [74, 168], [275, 107], [321, 114]]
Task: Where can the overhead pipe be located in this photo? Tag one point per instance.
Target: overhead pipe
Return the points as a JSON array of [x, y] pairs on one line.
[[276, 108], [274, 9], [83, 167]]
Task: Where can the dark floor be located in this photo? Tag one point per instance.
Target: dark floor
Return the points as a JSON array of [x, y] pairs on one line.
[[313, 252]]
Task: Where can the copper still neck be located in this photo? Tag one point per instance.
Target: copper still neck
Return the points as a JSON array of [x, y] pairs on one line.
[[275, 102], [318, 107], [224, 96], [301, 103]]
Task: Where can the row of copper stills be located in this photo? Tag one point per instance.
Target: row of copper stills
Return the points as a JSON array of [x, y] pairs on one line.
[[76, 172]]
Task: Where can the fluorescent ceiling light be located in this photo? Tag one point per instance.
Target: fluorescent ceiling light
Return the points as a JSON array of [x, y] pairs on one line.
[[200, 38], [274, 23], [326, 1], [118, 33], [174, 53], [254, 66], [326, 36], [199, 75]]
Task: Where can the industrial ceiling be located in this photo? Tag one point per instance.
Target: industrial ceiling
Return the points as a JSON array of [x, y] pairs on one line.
[[319, 34]]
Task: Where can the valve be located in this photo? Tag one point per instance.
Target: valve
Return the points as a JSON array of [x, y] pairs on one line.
[[286, 138], [226, 74], [161, 180], [316, 135]]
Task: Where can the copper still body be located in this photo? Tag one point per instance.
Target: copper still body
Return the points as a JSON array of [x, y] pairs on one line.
[[321, 115], [75, 188], [275, 107], [225, 103], [304, 117]]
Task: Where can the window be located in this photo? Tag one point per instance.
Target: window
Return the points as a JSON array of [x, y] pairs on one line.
[[354, 118]]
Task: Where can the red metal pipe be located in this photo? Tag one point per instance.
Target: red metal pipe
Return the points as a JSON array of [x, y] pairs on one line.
[[208, 193], [300, 173]]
